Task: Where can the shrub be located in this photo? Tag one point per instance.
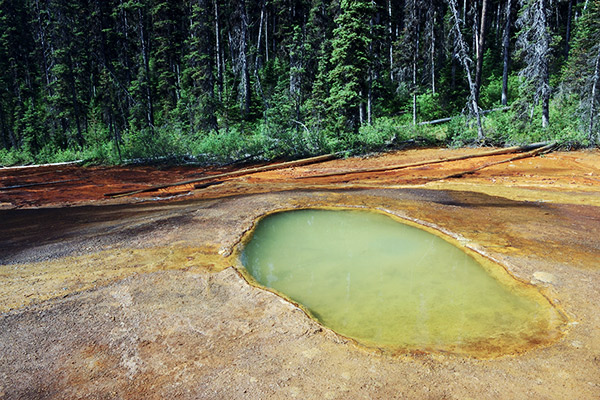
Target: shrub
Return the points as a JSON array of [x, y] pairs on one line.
[[14, 157], [224, 146], [429, 107], [460, 133]]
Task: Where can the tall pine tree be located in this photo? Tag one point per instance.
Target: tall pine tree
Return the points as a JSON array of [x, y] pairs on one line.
[[348, 80]]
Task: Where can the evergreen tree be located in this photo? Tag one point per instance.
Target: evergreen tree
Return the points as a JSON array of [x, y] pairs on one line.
[[317, 66], [583, 72], [69, 41], [167, 36], [199, 78], [350, 60]]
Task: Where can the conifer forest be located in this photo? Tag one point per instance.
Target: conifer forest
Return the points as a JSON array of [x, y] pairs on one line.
[[220, 80]]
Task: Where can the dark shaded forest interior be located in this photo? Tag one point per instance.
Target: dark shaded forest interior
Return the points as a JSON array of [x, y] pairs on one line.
[[217, 80]]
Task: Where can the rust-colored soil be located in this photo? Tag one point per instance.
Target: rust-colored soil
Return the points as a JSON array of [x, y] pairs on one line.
[[133, 298], [560, 172]]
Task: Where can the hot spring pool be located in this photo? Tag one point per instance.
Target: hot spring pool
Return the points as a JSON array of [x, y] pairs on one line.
[[394, 286]]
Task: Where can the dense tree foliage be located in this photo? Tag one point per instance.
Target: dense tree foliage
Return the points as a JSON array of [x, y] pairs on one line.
[[221, 78]]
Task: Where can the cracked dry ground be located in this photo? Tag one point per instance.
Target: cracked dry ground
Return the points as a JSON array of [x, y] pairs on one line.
[[137, 298]]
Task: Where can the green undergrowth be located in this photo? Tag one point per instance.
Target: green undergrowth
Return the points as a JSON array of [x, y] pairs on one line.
[[263, 141]]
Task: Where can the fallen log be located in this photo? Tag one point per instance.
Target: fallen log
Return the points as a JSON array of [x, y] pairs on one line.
[[243, 159], [542, 150], [26, 185], [41, 165], [227, 175], [435, 121], [508, 150], [207, 184], [448, 119]]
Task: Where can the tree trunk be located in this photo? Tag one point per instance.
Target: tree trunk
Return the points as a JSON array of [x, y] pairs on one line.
[[545, 69], [42, 38], [509, 150], [112, 127], [218, 52], [258, 43], [475, 29], [75, 102], [370, 100], [480, 48], [540, 150], [233, 174], [8, 139], [432, 53], [124, 59], [568, 33], [497, 22], [545, 97], [414, 66], [505, 54], [595, 80], [414, 96], [546, 110], [146, 60], [206, 49], [370, 79], [267, 37], [462, 54], [453, 69], [246, 90], [391, 48]]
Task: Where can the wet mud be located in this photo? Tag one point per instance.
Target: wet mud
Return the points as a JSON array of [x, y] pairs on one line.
[[136, 298]]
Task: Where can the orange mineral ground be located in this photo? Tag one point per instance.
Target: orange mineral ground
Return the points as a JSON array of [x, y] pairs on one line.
[[142, 296]]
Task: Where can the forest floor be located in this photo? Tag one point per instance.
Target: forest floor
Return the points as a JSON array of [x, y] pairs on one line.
[[134, 297]]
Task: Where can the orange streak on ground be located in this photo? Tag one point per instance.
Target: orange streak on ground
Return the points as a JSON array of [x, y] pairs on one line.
[[578, 170]]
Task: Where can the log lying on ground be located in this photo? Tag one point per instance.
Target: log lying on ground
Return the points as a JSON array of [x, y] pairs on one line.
[[41, 165], [227, 175], [508, 150], [207, 184], [542, 150], [26, 185], [241, 160], [448, 119]]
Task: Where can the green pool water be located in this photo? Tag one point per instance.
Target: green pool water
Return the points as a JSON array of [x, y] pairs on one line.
[[394, 286]]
